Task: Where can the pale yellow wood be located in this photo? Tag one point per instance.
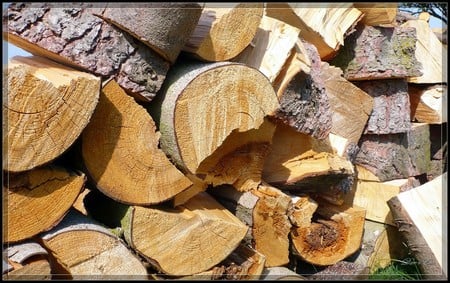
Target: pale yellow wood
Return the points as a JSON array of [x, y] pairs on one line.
[[432, 106], [426, 208], [223, 31], [339, 144], [270, 48], [47, 106], [365, 175], [38, 270], [303, 211], [280, 273], [376, 14]]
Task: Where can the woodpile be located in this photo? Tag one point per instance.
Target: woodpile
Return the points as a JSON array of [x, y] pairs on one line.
[[210, 141]]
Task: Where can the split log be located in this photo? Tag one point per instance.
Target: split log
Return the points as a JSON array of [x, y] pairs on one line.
[[429, 52], [418, 214], [301, 162], [75, 37], [441, 34], [122, 156], [428, 103], [223, 31], [164, 27], [87, 248], [212, 121], [351, 107], [186, 240], [37, 200], [379, 53], [304, 104], [391, 106], [396, 156], [303, 209], [270, 48], [280, 273], [376, 14], [325, 26], [47, 107], [265, 210], [334, 237], [27, 261]]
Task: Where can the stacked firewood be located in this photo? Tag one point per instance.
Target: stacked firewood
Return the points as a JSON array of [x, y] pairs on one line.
[[219, 141]]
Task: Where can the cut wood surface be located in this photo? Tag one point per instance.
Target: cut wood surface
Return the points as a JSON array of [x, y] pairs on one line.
[[390, 113], [223, 31], [270, 48], [280, 273], [86, 248], [336, 235], [303, 210], [430, 52], [428, 103], [350, 106], [37, 200], [324, 25], [186, 240], [164, 27], [375, 14], [212, 121], [379, 53], [419, 214], [75, 37], [47, 106], [396, 156], [123, 157]]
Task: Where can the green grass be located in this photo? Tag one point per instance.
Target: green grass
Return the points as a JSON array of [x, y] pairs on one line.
[[406, 269]]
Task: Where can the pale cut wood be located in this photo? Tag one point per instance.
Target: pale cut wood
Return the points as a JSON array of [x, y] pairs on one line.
[[270, 48], [223, 31], [47, 106], [38, 199], [122, 156], [332, 238], [186, 240], [375, 14], [91, 251], [28, 261], [164, 27], [324, 25], [351, 107], [418, 214], [429, 52], [343, 147], [441, 34], [198, 186], [212, 121], [428, 103], [304, 208], [280, 273]]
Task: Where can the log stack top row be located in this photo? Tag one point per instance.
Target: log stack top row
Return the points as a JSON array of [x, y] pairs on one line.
[[208, 140]]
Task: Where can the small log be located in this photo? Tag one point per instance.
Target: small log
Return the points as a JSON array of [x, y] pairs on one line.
[[270, 48], [351, 107], [428, 103], [280, 273], [304, 104], [379, 53], [185, 240], [418, 214], [265, 210], [377, 14], [75, 37], [325, 26], [38, 199], [334, 237], [391, 106], [224, 31], [47, 107], [429, 52], [212, 121], [164, 27], [88, 249], [122, 156], [396, 156]]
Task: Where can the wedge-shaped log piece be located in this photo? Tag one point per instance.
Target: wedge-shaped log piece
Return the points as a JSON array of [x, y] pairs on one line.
[[75, 36], [120, 151], [37, 200], [334, 237], [428, 103], [224, 30], [89, 250], [379, 53], [47, 107], [189, 239], [375, 14], [212, 121], [164, 27]]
